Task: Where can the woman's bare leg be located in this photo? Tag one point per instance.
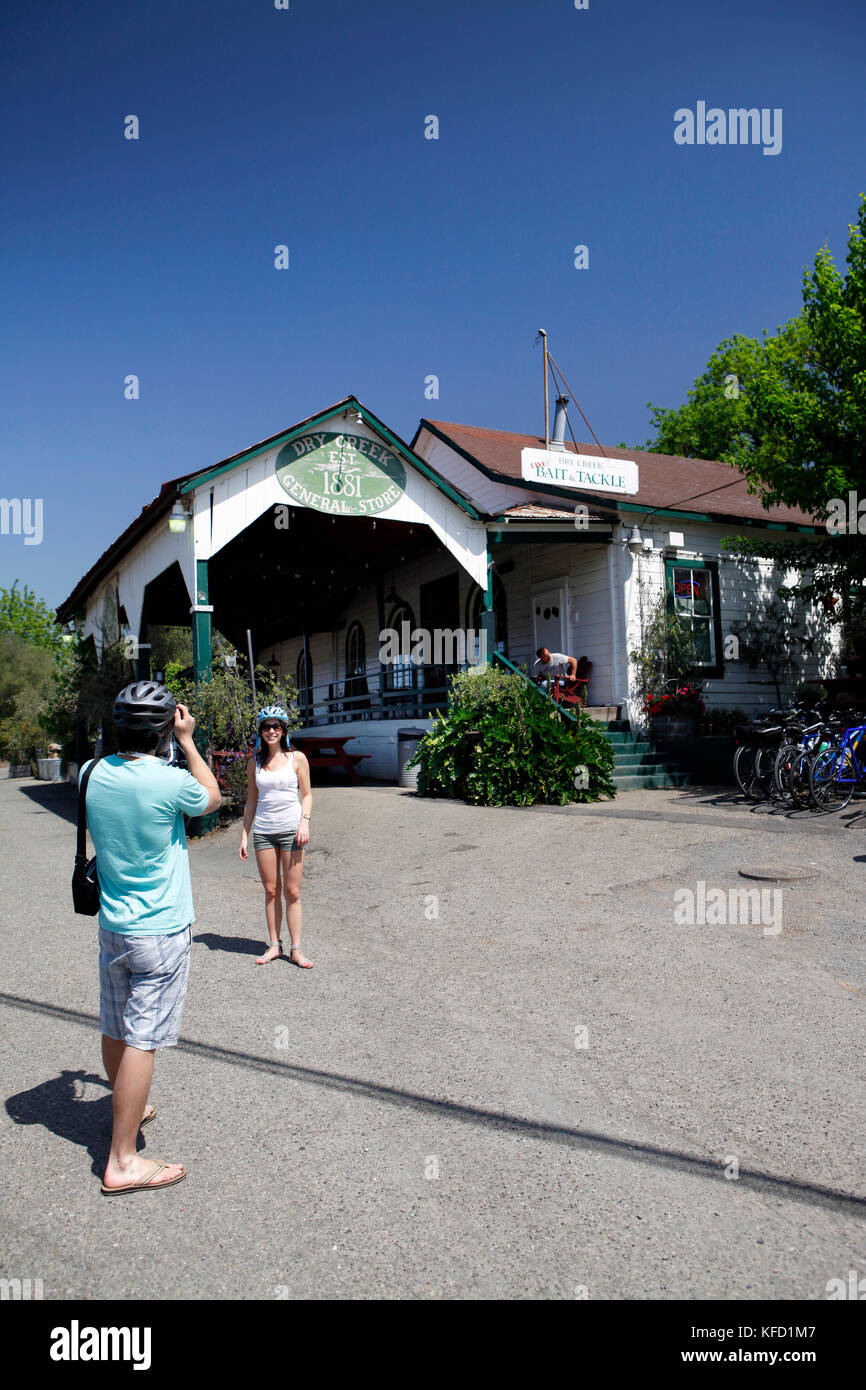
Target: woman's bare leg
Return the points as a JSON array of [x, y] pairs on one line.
[[293, 868], [268, 862]]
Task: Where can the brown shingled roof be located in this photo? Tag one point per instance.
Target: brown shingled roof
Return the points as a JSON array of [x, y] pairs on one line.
[[665, 480]]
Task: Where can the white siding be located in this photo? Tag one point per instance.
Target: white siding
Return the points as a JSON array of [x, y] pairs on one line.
[[745, 587]]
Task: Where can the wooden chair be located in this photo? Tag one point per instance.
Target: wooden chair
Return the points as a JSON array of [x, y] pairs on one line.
[[570, 691]]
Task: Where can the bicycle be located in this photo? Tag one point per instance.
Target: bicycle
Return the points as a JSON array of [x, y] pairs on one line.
[[755, 756], [835, 773], [791, 768]]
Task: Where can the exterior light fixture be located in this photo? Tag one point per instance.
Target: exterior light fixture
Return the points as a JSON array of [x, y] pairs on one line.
[[634, 542], [179, 518]]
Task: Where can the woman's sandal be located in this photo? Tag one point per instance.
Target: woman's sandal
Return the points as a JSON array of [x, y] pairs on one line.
[[260, 960], [146, 1118], [302, 964]]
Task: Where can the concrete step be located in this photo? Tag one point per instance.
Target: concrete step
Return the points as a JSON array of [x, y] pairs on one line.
[[603, 714], [639, 762], [629, 783], [633, 760]]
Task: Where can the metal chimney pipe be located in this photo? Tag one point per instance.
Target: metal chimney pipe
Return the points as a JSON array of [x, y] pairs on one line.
[[559, 423]]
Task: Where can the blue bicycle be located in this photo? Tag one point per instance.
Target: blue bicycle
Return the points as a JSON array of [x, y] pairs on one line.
[[836, 773]]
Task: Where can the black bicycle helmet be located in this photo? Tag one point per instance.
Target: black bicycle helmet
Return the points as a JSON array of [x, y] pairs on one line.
[[144, 708]]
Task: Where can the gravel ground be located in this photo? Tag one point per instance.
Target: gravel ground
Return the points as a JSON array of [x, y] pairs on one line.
[[512, 1074]]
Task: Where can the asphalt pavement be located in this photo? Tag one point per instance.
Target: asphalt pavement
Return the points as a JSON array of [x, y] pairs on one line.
[[517, 1070]]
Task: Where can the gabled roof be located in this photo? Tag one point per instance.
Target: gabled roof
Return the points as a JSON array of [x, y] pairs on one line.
[[188, 482], [702, 489]]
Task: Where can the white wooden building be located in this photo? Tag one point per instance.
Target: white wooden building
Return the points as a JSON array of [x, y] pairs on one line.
[[322, 538]]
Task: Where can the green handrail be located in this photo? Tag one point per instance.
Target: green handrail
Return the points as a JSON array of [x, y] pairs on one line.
[[542, 694]]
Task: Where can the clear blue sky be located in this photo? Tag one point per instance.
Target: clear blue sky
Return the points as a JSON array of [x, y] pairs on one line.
[[408, 257]]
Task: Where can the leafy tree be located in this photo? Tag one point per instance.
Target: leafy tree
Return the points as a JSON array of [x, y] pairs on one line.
[[28, 617], [717, 421], [224, 707], [797, 427], [169, 646], [27, 673]]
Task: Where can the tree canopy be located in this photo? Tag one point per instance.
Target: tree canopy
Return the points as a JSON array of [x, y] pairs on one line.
[[789, 411], [30, 618]]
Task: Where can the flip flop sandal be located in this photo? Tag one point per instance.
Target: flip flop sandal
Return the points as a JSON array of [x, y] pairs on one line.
[[147, 1118], [146, 1184], [302, 965]]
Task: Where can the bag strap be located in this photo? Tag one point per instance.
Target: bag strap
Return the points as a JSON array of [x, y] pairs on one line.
[[82, 810]]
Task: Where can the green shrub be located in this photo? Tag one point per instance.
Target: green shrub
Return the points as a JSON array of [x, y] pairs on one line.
[[721, 721], [810, 692], [501, 743], [224, 708]]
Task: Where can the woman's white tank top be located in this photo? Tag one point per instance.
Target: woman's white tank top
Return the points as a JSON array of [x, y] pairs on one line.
[[278, 808]]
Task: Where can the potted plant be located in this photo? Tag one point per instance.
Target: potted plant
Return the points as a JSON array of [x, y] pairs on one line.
[[676, 714]]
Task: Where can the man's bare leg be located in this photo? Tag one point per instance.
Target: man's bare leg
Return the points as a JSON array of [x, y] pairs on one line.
[[131, 1088], [112, 1051]]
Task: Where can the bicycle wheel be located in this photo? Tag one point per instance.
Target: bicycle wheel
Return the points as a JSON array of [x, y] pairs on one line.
[[765, 762], [744, 770], [832, 779], [781, 786], [798, 778]]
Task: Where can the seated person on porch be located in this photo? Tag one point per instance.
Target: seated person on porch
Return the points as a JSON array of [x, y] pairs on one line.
[[554, 664]]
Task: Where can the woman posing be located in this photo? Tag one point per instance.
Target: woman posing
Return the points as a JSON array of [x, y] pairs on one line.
[[278, 809]]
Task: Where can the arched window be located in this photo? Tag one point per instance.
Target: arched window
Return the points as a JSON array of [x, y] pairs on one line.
[[356, 650], [475, 607], [401, 673], [304, 682]]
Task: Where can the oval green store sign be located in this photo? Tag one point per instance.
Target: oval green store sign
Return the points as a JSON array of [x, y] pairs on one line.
[[345, 474]]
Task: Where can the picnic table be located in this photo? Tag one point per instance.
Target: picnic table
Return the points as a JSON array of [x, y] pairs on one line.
[[328, 750]]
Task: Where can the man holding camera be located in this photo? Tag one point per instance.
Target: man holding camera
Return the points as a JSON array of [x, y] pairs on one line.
[[135, 808]]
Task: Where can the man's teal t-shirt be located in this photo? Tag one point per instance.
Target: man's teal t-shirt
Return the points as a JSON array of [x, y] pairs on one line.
[[135, 818]]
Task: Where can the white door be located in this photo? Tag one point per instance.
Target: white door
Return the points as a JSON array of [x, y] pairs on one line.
[[549, 620]]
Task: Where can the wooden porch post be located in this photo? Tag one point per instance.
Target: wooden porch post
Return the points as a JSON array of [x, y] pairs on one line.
[[488, 617], [201, 625]]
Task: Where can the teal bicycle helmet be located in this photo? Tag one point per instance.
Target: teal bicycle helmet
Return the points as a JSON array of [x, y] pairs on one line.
[[270, 712]]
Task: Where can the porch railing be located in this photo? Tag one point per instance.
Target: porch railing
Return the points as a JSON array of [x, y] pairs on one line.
[[415, 692], [404, 693]]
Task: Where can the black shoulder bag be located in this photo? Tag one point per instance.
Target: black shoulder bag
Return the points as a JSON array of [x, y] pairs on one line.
[[85, 884]]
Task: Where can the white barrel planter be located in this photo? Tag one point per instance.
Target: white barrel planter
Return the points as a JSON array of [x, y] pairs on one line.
[[4, 771], [49, 769]]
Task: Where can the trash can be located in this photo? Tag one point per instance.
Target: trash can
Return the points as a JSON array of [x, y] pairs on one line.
[[407, 744], [49, 769]]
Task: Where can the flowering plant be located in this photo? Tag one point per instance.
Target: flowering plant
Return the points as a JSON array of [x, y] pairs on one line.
[[686, 700]]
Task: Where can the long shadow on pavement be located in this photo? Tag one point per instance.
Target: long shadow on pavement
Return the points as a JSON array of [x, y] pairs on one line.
[[241, 945], [60, 798], [56, 1105], [768, 1184]]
